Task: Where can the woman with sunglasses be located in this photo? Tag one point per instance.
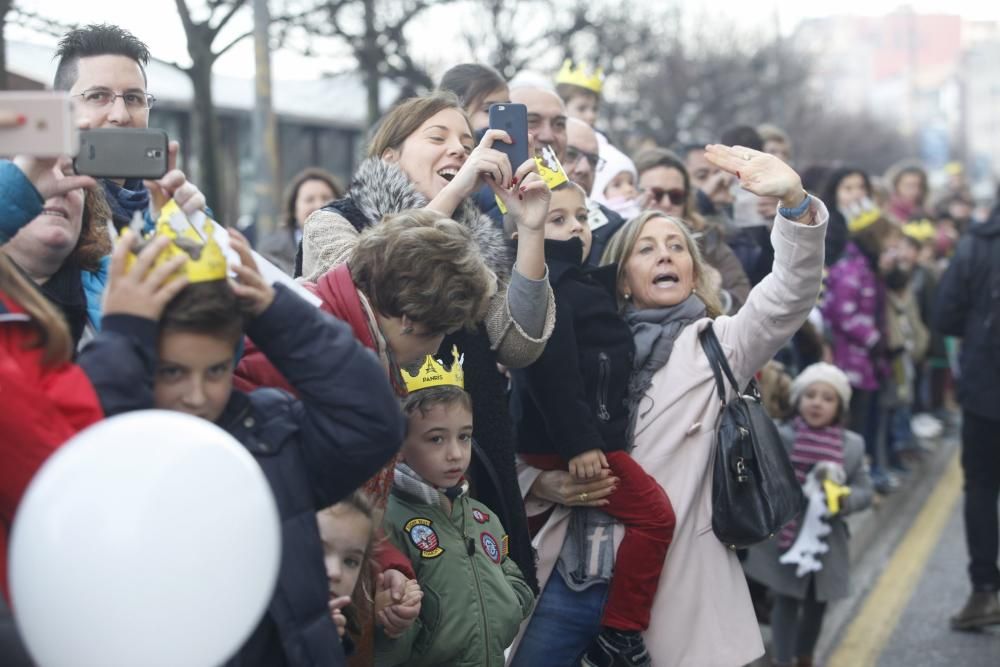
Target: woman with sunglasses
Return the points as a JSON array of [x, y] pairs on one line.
[[664, 185]]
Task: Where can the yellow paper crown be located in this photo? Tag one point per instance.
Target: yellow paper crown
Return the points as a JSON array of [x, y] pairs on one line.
[[205, 260], [432, 373], [864, 220], [580, 76], [834, 493], [920, 230]]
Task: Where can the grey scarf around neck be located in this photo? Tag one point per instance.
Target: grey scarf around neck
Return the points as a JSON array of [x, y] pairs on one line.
[[654, 331]]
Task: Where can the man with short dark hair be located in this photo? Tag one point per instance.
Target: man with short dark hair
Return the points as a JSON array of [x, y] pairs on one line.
[[103, 67]]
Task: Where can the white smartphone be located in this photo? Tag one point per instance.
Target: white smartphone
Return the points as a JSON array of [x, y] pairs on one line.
[[48, 128]]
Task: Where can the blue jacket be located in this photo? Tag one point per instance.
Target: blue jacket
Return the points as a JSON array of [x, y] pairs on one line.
[[313, 451]]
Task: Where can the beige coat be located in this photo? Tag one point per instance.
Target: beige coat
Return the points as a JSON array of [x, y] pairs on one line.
[[702, 615]]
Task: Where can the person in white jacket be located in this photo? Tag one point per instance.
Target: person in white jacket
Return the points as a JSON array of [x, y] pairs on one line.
[[702, 613]]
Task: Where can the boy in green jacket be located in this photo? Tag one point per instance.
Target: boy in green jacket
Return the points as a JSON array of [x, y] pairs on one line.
[[475, 597]]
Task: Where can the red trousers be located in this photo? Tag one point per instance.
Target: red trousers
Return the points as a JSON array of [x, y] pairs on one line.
[[642, 505]]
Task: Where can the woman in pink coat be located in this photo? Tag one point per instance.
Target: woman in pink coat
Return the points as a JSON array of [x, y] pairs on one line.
[[702, 615]]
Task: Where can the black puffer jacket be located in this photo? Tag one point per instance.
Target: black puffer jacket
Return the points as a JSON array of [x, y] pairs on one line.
[[313, 451], [968, 306], [572, 399]]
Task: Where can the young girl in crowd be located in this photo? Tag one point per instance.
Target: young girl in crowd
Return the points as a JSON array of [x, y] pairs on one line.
[[854, 309], [817, 441], [478, 87], [570, 412], [347, 530], [475, 594]]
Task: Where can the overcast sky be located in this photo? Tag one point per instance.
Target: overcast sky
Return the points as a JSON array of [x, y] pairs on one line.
[[156, 22]]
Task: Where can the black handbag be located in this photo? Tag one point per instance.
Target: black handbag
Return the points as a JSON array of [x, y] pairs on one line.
[[754, 489]]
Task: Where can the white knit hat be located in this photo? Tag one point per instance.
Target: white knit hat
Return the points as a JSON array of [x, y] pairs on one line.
[[822, 372], [615, 162]]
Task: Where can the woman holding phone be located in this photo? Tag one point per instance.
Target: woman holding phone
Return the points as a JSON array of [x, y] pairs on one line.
[[424, 156]]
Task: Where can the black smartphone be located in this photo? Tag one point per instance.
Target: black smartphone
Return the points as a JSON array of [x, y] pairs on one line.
[[122, 153], [512, 119]]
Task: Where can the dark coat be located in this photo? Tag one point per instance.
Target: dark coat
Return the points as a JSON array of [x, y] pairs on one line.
[[572, 399], [965, 307], [313, 451]]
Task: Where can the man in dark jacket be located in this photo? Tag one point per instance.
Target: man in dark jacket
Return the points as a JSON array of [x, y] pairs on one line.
[[968, 306], [314, 450]]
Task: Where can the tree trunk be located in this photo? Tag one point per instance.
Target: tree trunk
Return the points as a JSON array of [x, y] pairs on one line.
[[369, 63], [4, 10], [206, 138], [265, 143]]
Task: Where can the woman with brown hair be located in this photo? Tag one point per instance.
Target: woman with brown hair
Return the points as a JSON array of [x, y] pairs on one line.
[[666, 187], [478, 87], [308, 190], [54, 399], [65, 250], [424, 156]]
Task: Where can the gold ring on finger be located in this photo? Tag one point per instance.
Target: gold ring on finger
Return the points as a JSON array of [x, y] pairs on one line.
[[583, 497]]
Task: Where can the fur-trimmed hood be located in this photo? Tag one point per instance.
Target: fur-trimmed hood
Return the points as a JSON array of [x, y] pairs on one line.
[[381, 188]]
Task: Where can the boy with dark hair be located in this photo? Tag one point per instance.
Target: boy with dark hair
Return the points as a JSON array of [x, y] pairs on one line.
[[172, 345], [475, 596], [570, 412]]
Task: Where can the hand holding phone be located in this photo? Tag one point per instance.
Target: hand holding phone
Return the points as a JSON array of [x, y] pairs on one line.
[[512, 119]]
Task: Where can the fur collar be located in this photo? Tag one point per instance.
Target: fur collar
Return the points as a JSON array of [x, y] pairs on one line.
[[380, 188]]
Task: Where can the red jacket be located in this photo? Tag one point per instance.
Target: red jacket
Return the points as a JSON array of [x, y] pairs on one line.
[[41, 408], [340, 298]]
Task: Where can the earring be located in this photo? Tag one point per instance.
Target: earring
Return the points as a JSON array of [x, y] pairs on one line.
[[627, 296]]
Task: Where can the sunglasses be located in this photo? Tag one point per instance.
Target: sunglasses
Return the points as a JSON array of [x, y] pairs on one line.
[[677, 196]]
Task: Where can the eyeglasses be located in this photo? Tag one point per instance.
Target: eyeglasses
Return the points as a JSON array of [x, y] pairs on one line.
[[103, 97], [677, 195], [573, 156]]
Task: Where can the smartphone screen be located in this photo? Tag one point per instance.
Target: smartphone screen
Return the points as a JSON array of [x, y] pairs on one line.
[[512, 119]]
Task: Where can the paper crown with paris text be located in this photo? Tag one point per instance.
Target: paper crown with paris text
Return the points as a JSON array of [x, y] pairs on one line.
[[432, 373], [549, 168], [862, 215], [581, 77], [206, 260]]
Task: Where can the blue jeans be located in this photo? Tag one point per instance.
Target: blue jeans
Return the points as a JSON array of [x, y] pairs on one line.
[[563, 625]]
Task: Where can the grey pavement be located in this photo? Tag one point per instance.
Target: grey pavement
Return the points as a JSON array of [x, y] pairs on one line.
[[922, 637]]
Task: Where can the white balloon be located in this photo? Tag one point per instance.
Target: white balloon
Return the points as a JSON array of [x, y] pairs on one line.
[[149, 539]]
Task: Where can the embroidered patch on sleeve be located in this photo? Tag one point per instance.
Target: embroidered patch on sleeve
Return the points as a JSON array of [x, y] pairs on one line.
[[480, 516], [505, 541], [490, 547], [424, 537]]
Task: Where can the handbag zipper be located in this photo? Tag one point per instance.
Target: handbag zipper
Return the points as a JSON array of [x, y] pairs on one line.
[[603, 373]]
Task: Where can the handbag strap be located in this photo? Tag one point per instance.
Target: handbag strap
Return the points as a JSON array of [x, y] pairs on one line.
[[717, 360]]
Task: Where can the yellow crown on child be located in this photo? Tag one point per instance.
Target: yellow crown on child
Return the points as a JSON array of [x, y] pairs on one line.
[[864, 220], [205, 259], [581, 76], [432, 373], [920, 230]]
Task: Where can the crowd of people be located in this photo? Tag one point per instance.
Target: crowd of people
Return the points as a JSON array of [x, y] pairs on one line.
[[492, 441]]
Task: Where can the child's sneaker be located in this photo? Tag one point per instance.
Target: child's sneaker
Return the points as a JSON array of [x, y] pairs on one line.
[[617, 648]]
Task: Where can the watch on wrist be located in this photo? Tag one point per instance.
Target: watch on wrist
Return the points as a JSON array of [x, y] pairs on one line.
[[798, 211]]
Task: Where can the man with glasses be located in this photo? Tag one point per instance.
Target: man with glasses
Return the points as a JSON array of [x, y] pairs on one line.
[[104, 69], [581, 163]]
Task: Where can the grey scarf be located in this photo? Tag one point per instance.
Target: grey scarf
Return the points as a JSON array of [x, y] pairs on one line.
[[406, 480], [654, 331]]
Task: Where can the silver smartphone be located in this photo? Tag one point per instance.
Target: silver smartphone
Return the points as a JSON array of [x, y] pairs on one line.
[[122, 153], [44, 127]]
